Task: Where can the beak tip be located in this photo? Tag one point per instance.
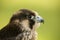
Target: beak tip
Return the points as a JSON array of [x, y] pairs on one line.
[[42, 21]]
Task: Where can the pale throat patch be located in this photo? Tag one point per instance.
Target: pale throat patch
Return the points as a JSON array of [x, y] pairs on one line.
[[25, 24], [36, 25]]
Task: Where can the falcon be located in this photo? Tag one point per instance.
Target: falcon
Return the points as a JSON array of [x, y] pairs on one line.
[[22, 26]]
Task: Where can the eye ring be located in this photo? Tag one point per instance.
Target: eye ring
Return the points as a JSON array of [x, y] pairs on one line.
[[32, 17]]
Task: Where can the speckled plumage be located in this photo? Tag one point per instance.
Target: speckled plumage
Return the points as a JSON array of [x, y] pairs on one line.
[[20, 27]]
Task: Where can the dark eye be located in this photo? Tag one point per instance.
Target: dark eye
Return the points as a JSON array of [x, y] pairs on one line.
[[31, 17]]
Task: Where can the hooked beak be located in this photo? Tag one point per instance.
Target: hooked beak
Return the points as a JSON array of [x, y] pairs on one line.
[[39, 19]]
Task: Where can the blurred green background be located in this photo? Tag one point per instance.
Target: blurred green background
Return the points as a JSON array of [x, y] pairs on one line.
[[48, 9]]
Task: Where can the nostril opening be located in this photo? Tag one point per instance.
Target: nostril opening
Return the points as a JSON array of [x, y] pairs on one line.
[[37, 17]]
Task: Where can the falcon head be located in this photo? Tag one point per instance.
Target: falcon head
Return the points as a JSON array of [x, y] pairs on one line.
[[27, 18]]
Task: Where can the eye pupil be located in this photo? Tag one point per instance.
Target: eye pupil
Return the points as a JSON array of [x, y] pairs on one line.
[[29, 16]]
